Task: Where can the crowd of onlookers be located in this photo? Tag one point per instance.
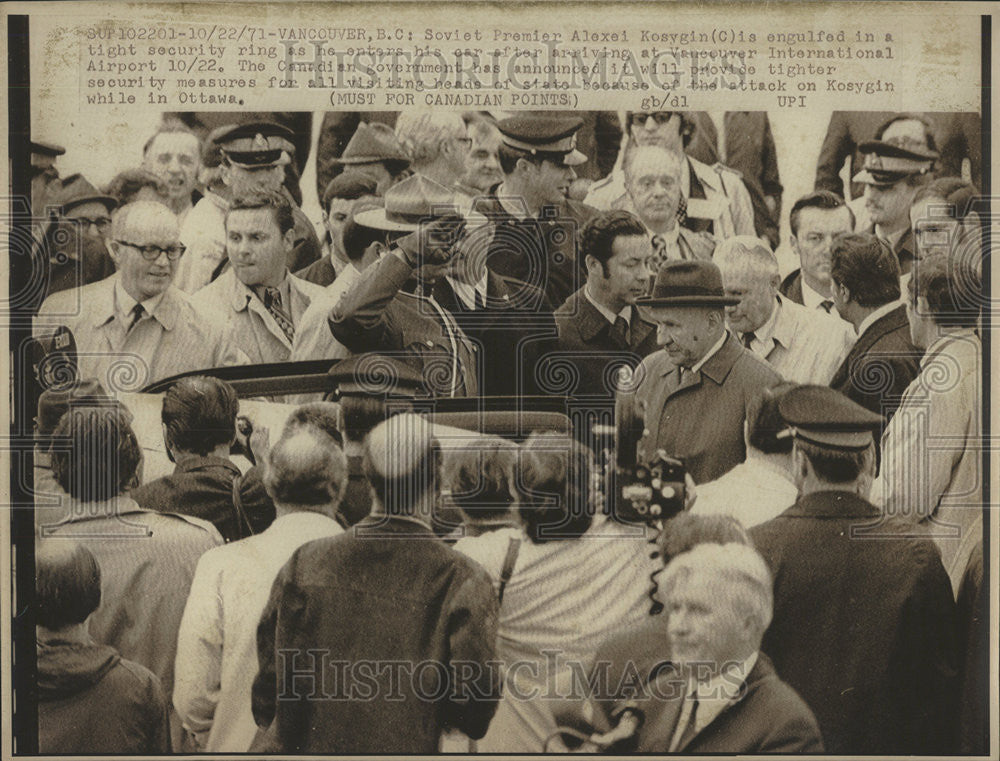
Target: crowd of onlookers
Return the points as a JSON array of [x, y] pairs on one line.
[[365, 586]]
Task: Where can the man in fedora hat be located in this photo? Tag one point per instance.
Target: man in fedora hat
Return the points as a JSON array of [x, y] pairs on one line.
[[537, 225], [253, 159], [864, 618], [897, 163], [691, 398]]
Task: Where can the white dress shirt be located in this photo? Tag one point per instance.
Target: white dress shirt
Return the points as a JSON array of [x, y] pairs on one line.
[[466, 292], [878, 314], [753, 492], [713, 697], [608, 315]]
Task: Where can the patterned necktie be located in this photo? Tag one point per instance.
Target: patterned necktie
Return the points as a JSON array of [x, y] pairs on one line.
[[659, 253], [272, 301], [748, 338], [827, 305], [137, 312]]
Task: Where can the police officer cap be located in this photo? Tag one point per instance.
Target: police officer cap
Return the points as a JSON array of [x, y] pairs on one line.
[[827, 418], [256, 144], [552, 136], [46, 149], [376, 375]]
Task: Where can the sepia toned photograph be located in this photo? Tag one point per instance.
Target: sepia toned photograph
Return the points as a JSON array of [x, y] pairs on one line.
[[459, 378]]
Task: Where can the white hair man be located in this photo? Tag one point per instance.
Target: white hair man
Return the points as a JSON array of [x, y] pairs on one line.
[[306, 475], [722, 694], [805, 346], [436, 142], [136, 327]]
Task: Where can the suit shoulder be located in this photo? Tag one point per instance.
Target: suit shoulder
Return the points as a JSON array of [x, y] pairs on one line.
[[74, 301]]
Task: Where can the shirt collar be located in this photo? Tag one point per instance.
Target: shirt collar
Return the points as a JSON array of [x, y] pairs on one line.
[[892, 239], [878, 314], [721, 691], [124, 304], [608, 315], [770, 329], [711, 353], [512, 204], [467, 293], [811, 298], [670, 237]]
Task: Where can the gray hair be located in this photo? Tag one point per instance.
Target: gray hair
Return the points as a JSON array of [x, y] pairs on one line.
[[306, 468], [746, 251], [422, 131]]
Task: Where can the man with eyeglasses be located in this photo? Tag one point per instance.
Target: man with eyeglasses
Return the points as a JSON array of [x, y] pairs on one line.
[[72, 251], [135, 327], [715, 198]]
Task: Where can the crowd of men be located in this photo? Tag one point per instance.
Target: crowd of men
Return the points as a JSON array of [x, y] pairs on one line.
[[366, 587]]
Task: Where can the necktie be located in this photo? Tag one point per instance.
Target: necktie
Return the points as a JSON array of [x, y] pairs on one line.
[[272, 301], [620, 329], [480, 304], [137, 312], [659, 253], [689, 729], [827, 305], [748, 338]]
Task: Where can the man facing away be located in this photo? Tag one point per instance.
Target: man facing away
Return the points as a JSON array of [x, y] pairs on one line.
[[381, 639]]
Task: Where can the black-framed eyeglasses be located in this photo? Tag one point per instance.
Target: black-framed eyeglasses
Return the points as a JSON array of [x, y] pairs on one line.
[[101, 223], [639, 118], [152, 253]]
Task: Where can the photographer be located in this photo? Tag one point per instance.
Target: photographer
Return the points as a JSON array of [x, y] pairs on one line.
[[569, 579]]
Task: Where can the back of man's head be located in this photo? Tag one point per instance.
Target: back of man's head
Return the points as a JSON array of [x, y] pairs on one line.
[[95, 454], [403, 463], [199, 415], [322, 416], [867, 267], [746, 253], [422, 132], [67, 583], [765, 424], [306, 471]]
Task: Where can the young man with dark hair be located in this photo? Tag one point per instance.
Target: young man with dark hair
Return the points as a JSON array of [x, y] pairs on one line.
[[90, 699], [259, 299], [537, 225], [599, 324], [816, 219], [883, 361], [199, 426]]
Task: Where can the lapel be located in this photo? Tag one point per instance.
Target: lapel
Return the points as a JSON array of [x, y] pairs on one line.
[[101, 309], [640, 330], [727, 717], [866, 342], [262, 325], [445, 296], [715, 369]]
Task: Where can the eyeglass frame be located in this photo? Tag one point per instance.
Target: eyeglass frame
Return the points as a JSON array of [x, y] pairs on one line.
[[144, 251], [102, 223], [640, 118]]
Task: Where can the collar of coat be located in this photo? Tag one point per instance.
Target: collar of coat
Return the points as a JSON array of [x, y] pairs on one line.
[[165, 313], [190, 462], [718, 366], [832, 504]]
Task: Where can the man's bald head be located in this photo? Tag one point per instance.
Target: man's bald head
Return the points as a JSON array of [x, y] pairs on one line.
[[403, 461], [144, 236], [306, 470]]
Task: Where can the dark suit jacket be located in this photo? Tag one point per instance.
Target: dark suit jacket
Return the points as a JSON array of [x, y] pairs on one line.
[[389, 601], [203, 487], [320, 272], [863, 627], [542, 251], [957, 137], [587, 341], [375, 315], [881, 365], [791, 286], [700, 421], [509, 336], [767, 717]]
